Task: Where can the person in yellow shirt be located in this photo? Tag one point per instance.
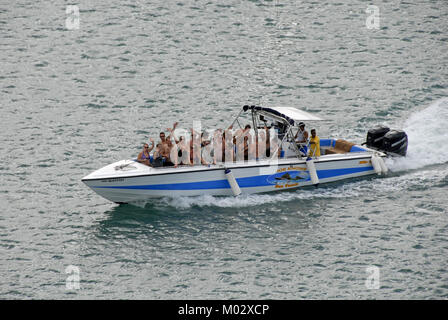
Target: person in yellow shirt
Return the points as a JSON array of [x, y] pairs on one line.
[[314, 144]]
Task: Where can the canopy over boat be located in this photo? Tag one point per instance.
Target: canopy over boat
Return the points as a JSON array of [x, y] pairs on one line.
[[290, 114]]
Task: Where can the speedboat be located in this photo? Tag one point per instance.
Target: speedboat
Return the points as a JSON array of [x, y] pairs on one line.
[[289, 166]]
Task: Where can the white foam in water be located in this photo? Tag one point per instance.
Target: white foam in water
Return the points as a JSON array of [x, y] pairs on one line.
[[140, 203], [260, 199], [427, 134]]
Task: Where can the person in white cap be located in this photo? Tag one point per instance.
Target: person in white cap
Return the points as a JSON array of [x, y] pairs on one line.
[[301, 139], [302, 134]]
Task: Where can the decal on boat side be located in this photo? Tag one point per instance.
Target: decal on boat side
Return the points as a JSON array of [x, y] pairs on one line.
[[113, 180], [291, 168], [286, 179]]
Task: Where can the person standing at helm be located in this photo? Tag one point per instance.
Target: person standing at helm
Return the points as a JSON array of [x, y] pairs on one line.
[[302, 134], [314, 144], [302, 139]]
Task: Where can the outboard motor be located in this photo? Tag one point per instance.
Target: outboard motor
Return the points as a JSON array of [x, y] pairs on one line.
[[395, 142], [375, 137], [392, 142]]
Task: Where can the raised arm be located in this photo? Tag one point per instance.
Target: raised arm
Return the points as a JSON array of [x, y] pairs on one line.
[[152, 145], [172, 134]]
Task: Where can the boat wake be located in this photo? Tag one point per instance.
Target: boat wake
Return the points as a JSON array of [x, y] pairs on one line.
[[427, 136], [250, 200], [356, 189]]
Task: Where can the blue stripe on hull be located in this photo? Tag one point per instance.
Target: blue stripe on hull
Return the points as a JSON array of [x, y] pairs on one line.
[[248, 182], [323, 174]]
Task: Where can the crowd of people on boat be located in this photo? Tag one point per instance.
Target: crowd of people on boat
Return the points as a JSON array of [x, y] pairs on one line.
[[220, 146]]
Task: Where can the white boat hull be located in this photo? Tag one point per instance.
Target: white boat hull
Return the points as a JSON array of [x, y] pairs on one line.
[[137, 182]]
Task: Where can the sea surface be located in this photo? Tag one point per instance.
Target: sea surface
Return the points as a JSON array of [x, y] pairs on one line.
[[84, 86]]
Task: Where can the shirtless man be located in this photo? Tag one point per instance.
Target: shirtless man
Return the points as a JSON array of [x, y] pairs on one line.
[[163, 149], [218, 147], [165, 152], [249, 146], [195, 147], [166, 145]]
